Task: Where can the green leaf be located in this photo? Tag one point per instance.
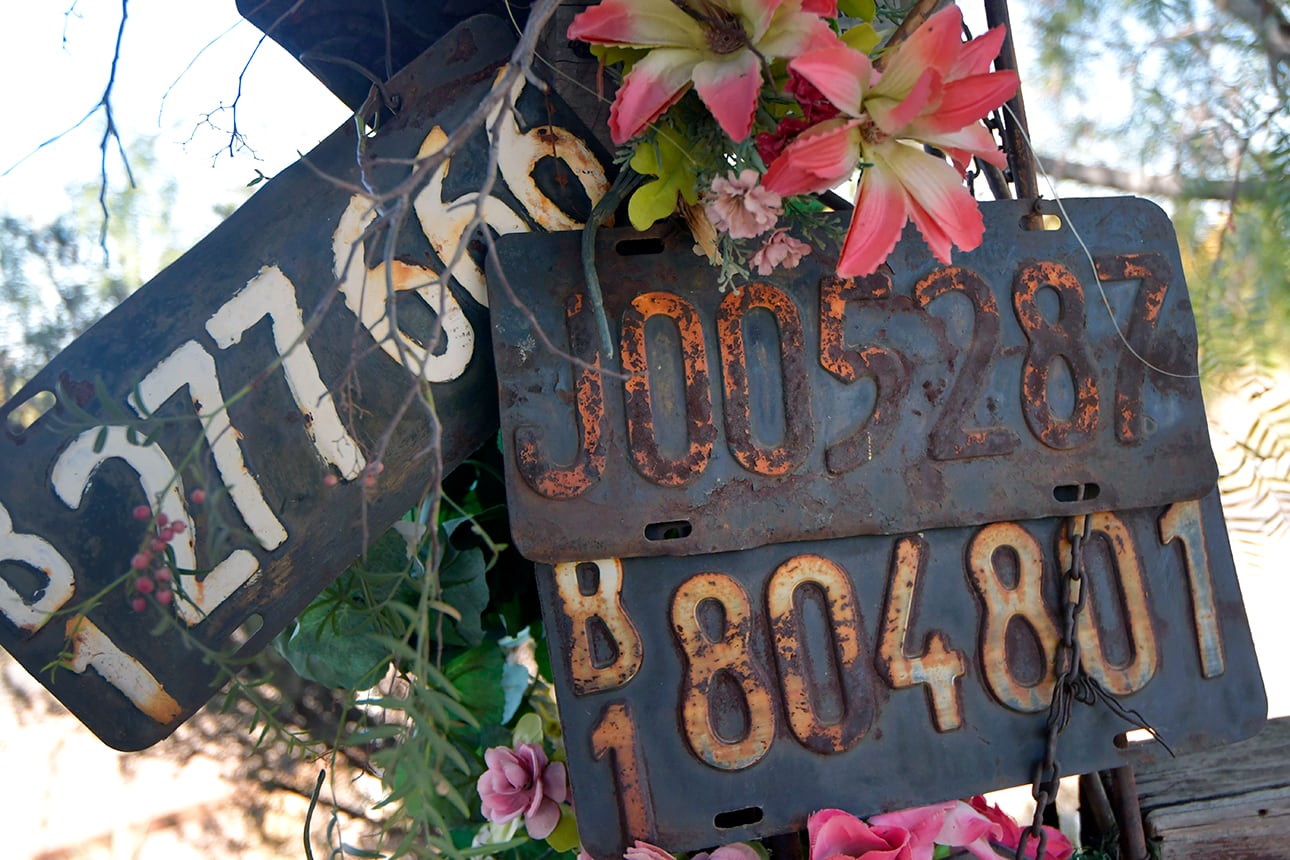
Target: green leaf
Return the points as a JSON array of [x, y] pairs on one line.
[[335, 644], [565, 835], [515, 683], [665, 158], [863, 37], [477, 674], [465, 587], [527, 731], [865, 10]]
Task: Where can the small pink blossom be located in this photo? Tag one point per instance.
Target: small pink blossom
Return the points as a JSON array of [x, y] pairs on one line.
[[733, 851], [779, 249], [741, 206], [522, 782], [838, 835], [643, 850]]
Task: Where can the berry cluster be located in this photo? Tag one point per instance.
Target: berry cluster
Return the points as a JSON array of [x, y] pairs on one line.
[[153, 577]]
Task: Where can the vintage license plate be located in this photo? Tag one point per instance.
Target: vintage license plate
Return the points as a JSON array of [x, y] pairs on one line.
[[881, 672], [281, 313], [805, 406]]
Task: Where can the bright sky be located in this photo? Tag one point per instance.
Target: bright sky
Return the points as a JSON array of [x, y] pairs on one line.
[[54, 67]]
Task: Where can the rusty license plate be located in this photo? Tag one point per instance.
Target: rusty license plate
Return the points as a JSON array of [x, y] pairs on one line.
[[263, 366], [805, 406], [715, 698]]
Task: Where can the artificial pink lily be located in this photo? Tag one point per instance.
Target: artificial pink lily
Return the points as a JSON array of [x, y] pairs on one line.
[[954, 824], [934, 91], [716, 45]]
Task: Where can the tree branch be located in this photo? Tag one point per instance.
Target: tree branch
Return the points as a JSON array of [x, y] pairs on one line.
[[1137, 182]]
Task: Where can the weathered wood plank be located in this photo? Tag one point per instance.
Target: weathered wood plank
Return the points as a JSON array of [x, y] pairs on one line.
[[1232, 802]]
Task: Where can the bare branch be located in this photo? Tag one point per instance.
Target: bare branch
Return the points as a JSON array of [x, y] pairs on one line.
[[1137, 182]]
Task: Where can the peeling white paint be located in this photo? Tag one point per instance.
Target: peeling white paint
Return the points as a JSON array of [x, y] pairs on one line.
[[192, 366], [31, 612], [271, 293]]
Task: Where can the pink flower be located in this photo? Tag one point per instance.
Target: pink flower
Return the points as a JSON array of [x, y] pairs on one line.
[[643, 850], [1058, 848], [734, 851], [934, 91], [522, 782], [955, 824], [780, 249], [815, 109], [738, 205], [718, 46], [838, 834]]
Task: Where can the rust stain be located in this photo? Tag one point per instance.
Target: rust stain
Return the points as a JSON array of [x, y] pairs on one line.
[[1154, 273], [886, 367], [1063, 338], [798, 434], [567, 482], [951, 438], [603, 607], [938, 666], [845, 626], [639, 402], [706, 660], [1001, 604]]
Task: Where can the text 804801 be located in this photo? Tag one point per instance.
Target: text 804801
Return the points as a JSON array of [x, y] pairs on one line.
[[897, 669]]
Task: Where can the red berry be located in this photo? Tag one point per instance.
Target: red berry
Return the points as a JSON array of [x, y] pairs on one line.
[[142, 512], [380, 467], [197, 496], [164, 596], [163, 574], [178, 527], [162, 519], [330, 480], [138, 604], [166, 535], [369, 480], [141, 560], [157, 545], [144, 585]]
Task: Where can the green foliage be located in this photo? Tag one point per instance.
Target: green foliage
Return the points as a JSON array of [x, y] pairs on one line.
[[666, 157]]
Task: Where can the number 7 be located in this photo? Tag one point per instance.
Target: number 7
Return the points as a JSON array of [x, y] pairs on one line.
[[192, 366], [271, 294], [1154, 274]]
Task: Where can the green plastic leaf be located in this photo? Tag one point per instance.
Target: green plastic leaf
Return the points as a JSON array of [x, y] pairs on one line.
[[865, 10], [477, 675], [515, 683], [863, 37], [465, 588], [565, 835], [620, 54], [942, 851], [527, 731], [664, 158], [335, 646]]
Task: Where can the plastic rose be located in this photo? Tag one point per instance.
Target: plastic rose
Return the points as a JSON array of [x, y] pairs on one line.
[[934, 91], [519, 782], [643, 850], [838, 835], [954, 824], [1058, 847], [738, 205], [718, 46]]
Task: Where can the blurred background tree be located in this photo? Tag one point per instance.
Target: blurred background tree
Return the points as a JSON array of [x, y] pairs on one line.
[[1183, 100]]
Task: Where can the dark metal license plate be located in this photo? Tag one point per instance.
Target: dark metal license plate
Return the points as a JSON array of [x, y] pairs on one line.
[[227, 323], [808, 407], [881, 672]]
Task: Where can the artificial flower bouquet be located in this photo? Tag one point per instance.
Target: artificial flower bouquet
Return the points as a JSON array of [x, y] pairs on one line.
[[521, 786], [739, 111]]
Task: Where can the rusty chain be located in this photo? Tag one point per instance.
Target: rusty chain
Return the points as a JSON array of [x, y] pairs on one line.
[[1065, 690]]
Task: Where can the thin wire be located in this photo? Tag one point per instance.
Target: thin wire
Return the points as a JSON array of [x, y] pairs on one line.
[[1106, 302]]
